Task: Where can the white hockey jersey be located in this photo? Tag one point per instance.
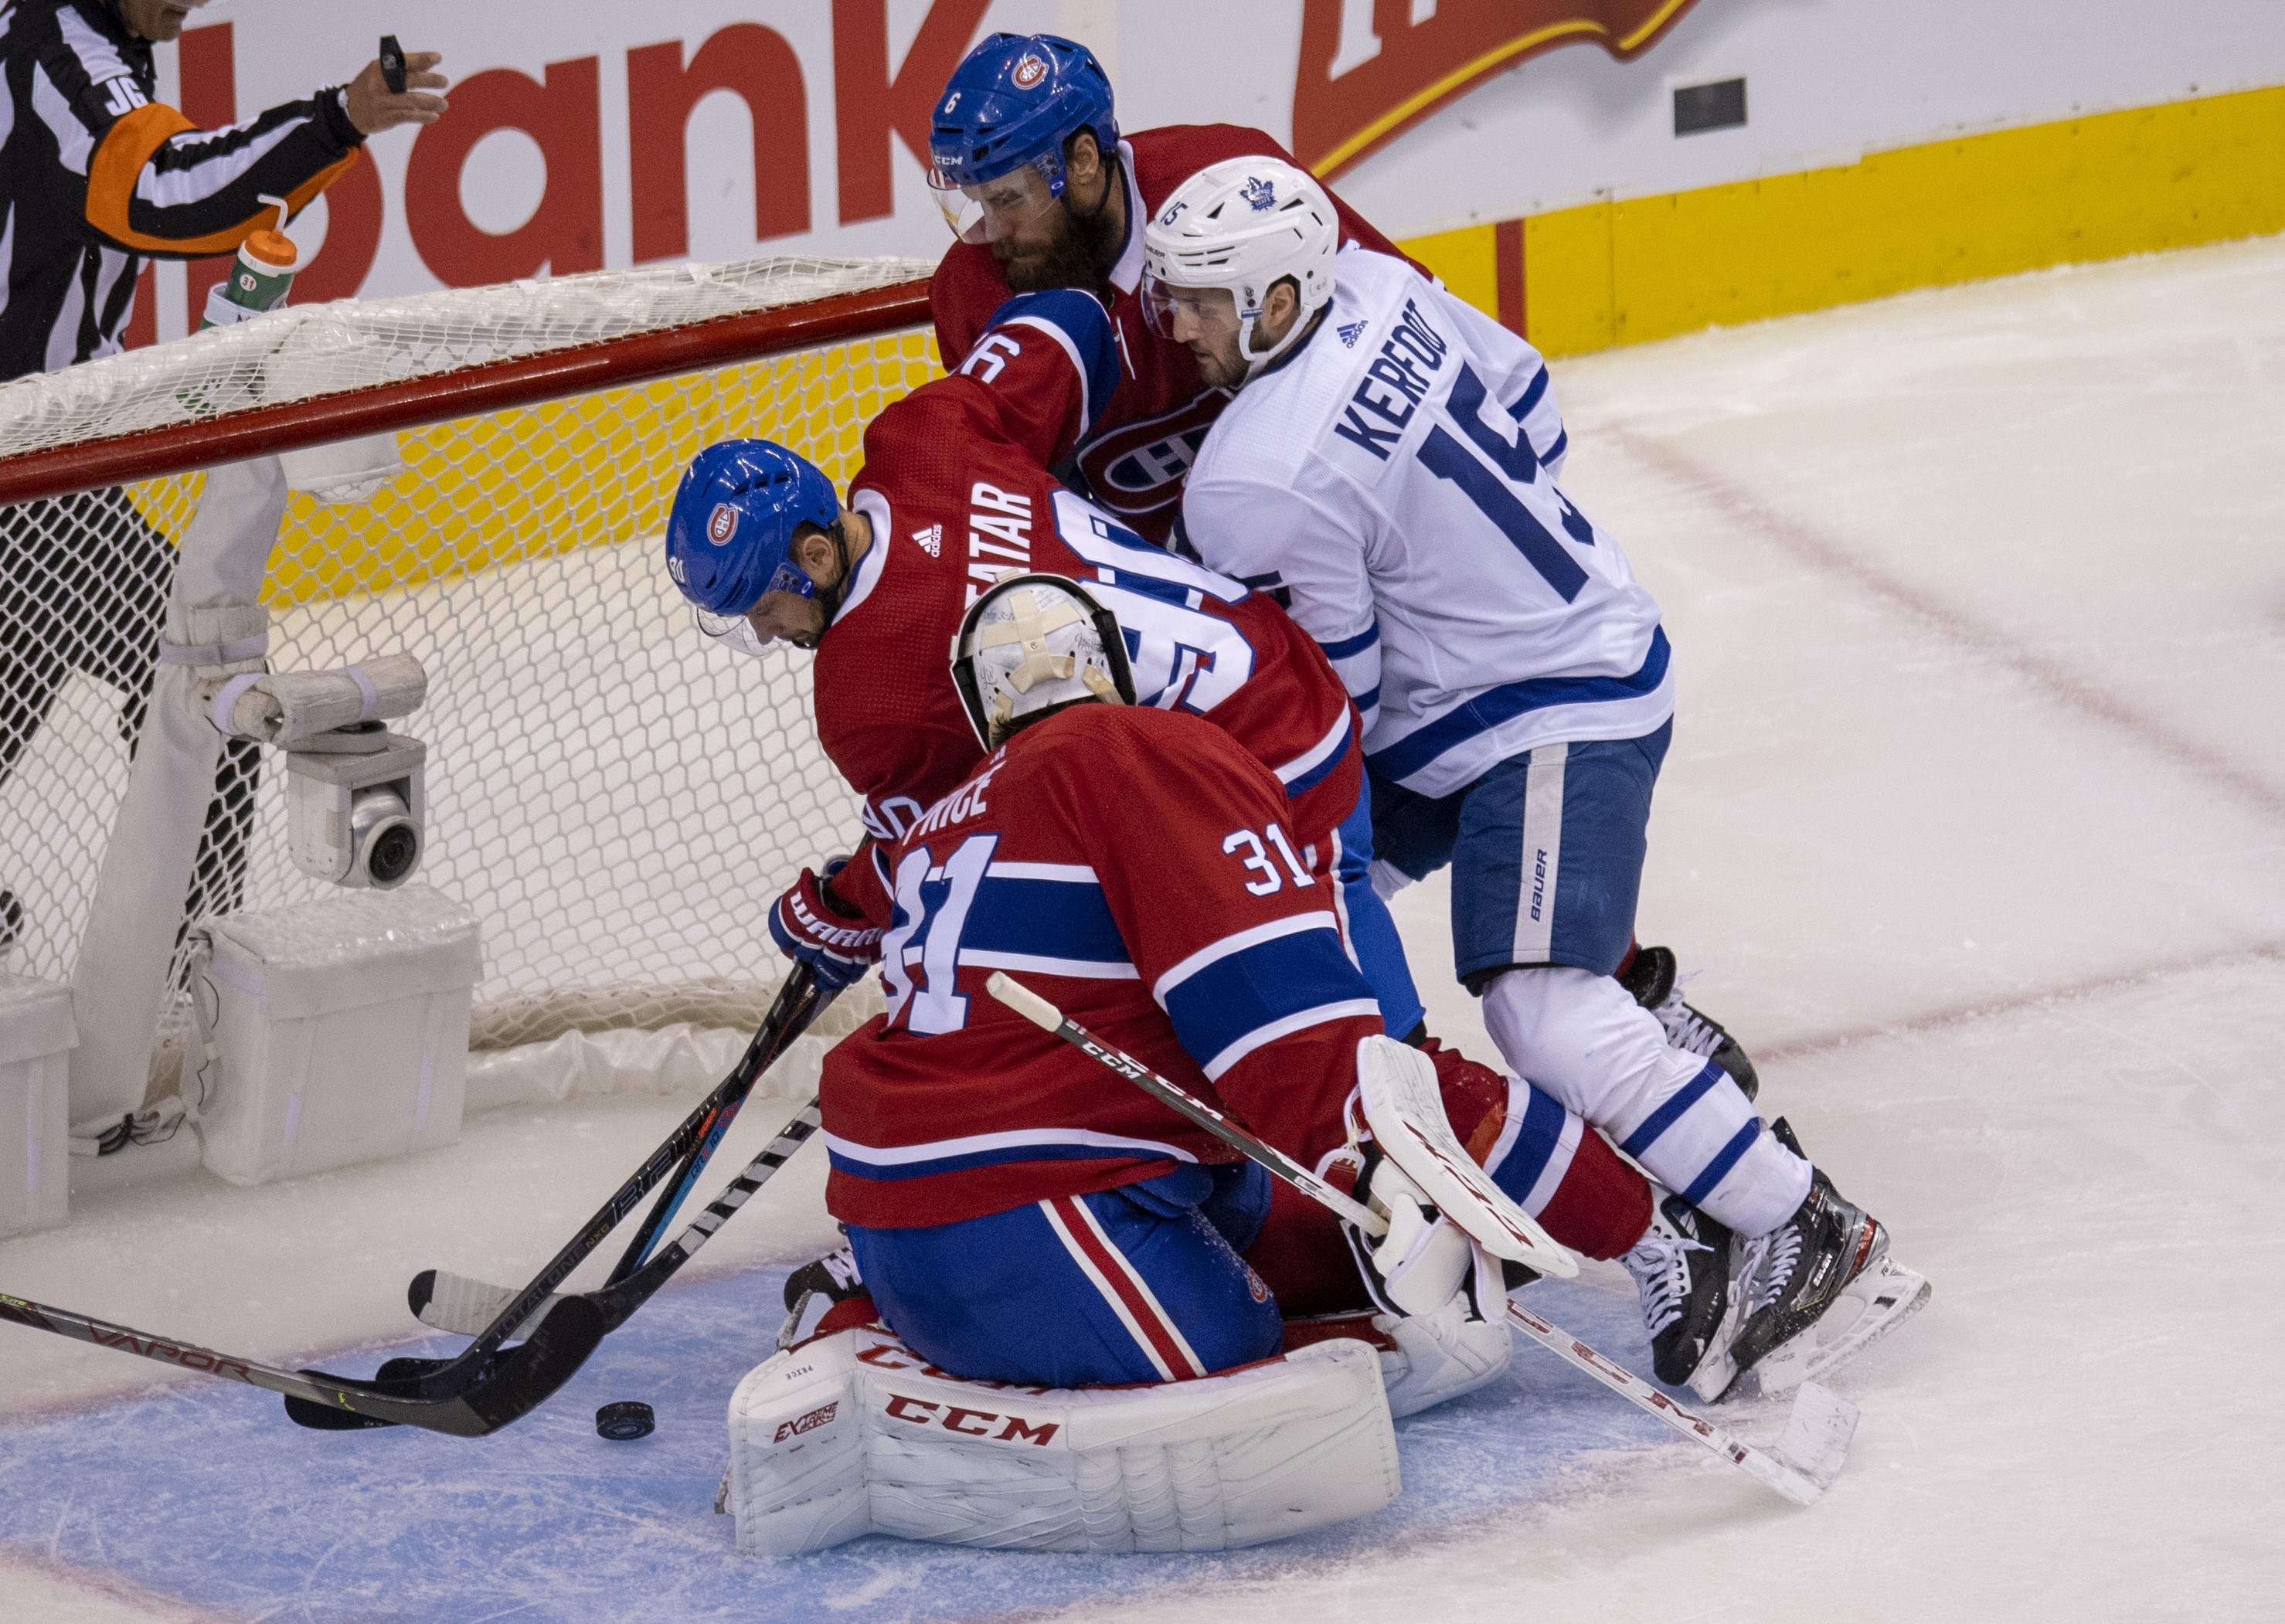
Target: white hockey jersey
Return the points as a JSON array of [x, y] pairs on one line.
[[1392, 482]]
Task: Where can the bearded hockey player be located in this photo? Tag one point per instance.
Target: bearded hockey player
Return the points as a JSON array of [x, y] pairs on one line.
[[1022, 1217], [1042, 192], [1391, 464]]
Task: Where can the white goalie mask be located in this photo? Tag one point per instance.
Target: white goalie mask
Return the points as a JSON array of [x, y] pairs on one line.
[[1031, 643], [1242, 225]]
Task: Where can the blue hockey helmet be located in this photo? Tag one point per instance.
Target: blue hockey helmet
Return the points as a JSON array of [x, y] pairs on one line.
[[729, 537], [1012, 103]]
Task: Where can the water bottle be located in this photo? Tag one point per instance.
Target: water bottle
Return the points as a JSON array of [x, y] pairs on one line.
[[259, 278]]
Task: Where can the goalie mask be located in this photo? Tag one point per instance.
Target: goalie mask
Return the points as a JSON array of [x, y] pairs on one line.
[[1032, 644], [1241, 225]]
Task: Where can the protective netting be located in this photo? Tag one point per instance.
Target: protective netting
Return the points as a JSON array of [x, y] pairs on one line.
[[616, 798]]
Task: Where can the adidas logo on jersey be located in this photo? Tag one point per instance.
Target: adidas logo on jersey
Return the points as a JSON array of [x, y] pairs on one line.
[[1350, 331], [931, 540]]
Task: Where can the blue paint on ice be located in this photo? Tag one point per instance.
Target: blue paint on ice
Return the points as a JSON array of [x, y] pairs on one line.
[[208, 1493]]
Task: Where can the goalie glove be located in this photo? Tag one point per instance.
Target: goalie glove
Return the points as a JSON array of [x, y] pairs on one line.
[[1423, 1261], [812, 927]]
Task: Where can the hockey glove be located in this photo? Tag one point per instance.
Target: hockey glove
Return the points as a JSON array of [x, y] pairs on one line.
[[811, 926], [1423, 1261]]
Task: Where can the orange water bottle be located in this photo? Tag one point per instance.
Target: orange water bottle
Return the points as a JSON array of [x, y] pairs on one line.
[[260, 277]]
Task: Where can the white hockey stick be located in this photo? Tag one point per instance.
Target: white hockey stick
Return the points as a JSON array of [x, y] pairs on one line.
[[1816, 1435]]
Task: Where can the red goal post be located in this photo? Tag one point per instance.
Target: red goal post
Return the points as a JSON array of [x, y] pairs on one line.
[[617, 799]]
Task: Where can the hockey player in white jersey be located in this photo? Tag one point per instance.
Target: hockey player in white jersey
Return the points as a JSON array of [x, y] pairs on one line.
[[1389, 469]]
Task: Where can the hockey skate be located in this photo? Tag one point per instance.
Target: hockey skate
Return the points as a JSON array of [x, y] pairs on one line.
[[815, 1290], [1683, 1267], [1652, 981], [1820, 1288]]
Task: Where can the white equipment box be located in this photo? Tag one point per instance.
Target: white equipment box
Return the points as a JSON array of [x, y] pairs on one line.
[[36, 1036], [343, 1032]]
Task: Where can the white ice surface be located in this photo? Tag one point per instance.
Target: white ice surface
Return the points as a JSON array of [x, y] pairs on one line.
[[1976, 821]]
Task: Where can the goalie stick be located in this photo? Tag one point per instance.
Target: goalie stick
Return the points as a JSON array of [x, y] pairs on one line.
[[460, 1304], [1807, 1457]]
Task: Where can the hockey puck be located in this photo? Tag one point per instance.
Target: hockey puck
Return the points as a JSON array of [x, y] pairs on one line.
[[626, 1421]]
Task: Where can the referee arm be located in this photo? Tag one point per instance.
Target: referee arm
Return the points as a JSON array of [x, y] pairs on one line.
[[146, 180]]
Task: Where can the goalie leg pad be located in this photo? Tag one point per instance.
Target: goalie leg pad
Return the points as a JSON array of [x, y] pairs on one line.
[[857, 1433]]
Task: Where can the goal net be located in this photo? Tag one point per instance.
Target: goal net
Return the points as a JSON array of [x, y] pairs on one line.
[[615, 799]]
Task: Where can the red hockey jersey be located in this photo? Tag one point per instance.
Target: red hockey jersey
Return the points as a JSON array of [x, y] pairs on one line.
[[954, 491], [1135, 456], [1129, 865]]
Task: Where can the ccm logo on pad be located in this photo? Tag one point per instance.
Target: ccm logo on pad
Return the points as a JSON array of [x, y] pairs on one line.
[[970, 1422], [810, 1423]]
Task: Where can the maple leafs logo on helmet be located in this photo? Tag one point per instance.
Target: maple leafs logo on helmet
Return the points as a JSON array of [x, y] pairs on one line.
[[722, 524], [1028, 73], [1257, 191]]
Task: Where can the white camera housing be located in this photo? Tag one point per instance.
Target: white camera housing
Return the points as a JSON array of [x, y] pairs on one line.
[[355, 805]]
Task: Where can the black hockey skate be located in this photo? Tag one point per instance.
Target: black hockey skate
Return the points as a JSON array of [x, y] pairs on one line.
[[1683, 1267], [1652, 979], [1818, 1289], [815, 1290]]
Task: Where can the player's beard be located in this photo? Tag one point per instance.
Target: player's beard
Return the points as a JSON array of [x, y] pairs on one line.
[[1081, 255]]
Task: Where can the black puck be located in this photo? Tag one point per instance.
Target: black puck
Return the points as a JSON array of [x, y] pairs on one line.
[[626, 1421]]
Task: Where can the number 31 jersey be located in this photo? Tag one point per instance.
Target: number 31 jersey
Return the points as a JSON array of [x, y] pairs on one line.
[[1393, 479], [1131, 867]]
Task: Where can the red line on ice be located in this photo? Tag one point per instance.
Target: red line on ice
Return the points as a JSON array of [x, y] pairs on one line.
[[2055, 681], [1960, 1015]]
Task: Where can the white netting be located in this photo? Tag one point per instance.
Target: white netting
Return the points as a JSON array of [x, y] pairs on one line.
[[306, 351], [617, 799]]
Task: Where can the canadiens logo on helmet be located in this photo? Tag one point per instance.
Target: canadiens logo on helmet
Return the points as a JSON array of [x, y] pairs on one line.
[[1258, 193], [1028, 72], [722, 524]]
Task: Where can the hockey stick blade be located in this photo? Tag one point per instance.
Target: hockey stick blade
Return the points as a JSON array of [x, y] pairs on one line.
[[1817, 1433], [513, 1384], [1760, 1465], [456, 1302], [516, 1382], [797, 1003], [1764, 1466]]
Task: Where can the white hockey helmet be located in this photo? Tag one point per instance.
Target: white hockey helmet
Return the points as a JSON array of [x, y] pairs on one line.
[[1031, 643], [1241, 225]]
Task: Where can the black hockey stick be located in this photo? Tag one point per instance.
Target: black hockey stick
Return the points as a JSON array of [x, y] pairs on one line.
[[467, 1299], [678, 1190], [1816, 1434], [509, 1385], [797, 1003]]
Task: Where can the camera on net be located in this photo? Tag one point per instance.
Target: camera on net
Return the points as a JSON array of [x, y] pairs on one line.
[[354, 805]]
